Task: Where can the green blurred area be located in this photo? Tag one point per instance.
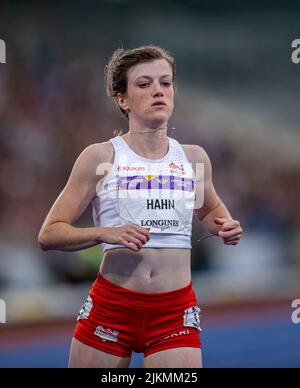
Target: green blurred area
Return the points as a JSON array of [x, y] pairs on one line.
[[92, 257]]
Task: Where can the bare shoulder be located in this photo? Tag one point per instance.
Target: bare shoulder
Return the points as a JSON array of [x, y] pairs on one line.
[[97, 153], [93, 157], [195, 153]]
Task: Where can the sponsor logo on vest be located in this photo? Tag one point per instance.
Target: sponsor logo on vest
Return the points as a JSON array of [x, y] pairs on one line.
[[106, 333], [160, 223], [174, 168], [161, 204], [131, 168]]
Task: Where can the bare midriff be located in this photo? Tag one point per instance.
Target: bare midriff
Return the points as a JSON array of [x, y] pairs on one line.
[[149, 270]]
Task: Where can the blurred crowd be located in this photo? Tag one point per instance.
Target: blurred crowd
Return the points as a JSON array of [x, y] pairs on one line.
[[52, 107], [46, 120]]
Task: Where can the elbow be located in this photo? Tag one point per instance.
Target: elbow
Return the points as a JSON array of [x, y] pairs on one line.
[[42, 241]]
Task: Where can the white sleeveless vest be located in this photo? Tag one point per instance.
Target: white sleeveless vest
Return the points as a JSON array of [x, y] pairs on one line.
[[158, 194]]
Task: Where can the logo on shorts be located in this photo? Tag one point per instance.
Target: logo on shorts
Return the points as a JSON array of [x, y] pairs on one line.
[[191, 317], [2, 51], [182, 332], [107, 334], [2, 311], [86, 309]]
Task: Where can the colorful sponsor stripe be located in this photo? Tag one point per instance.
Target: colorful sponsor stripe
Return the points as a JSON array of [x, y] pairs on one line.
[[160, 182]]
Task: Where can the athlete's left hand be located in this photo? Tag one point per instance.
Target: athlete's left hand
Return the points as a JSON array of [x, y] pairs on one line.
[[231, 230]]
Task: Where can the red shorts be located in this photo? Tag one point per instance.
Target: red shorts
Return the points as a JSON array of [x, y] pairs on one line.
[[117, 320]]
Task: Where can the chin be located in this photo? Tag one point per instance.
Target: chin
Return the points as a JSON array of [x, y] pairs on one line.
[[161, 117], [156, 122]]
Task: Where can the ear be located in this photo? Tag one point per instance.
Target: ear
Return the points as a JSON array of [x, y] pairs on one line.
[[122, 101]]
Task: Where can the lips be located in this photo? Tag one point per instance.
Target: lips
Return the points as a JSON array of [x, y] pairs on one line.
[[159, 103]]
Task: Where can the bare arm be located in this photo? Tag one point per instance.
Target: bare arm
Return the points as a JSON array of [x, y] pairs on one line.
[[214, 215], [58, 232], [212, 205]]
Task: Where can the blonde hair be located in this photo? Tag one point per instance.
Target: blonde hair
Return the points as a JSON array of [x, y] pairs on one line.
[[121, 61]]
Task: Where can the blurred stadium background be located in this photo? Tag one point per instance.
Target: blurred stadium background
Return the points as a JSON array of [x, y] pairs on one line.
[[238, 97]]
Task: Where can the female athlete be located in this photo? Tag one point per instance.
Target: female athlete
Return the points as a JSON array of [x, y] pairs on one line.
[[143, 188]]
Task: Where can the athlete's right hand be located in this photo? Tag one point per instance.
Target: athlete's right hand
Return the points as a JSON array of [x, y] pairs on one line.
[[131, 236]]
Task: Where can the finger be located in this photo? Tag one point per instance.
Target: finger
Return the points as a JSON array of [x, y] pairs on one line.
[[231, 240], [141, 237], [131, 246], [236, 237], [219, 221], [144, 231], [230, 233], [135, 241], [230, 225]]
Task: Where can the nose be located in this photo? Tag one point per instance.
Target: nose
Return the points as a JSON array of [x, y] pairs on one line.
[[157, 90]]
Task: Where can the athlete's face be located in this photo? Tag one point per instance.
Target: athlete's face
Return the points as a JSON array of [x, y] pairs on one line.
[[148, 85]]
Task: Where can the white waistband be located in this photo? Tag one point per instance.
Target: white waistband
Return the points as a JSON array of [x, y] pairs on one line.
[[160, 241]]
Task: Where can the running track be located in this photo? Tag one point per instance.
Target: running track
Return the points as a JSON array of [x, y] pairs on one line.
[[259, 335]]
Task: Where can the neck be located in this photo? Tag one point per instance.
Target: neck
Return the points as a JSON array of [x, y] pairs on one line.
[[151, 142]]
